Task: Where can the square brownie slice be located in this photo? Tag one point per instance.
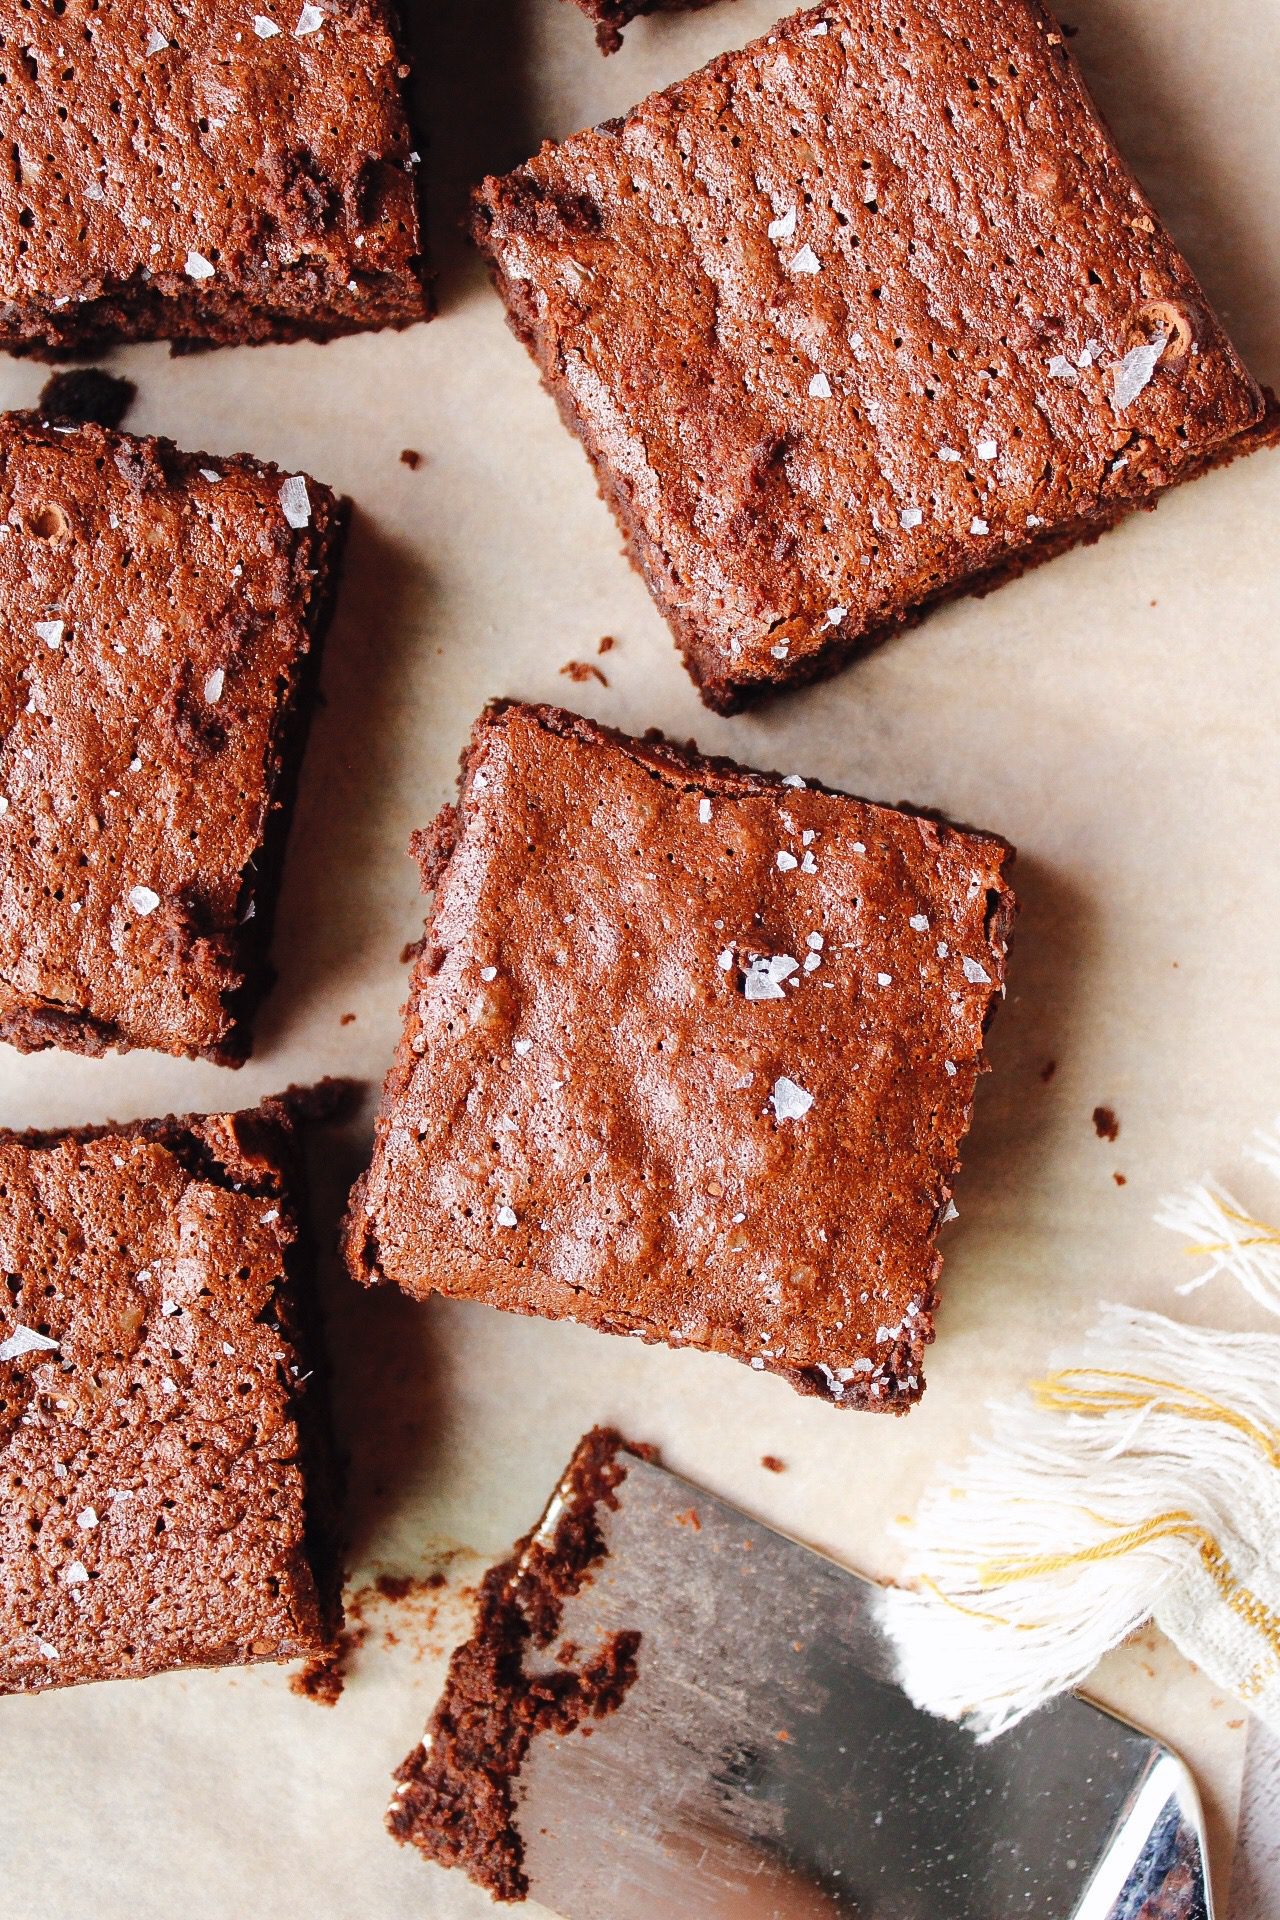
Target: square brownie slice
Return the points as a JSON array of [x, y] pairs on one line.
[[164, 1469], [213, 175], [688, 1055], [160, 621], [864, 315]]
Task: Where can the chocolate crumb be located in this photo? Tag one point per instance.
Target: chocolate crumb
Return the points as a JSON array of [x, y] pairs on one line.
[[346, 1019], [607, 643], [323, 1678], [1120, 1179], [85, 396], [771, 1463], [1105, 1123], [580, 670], [411, 458], [1048, 1070]]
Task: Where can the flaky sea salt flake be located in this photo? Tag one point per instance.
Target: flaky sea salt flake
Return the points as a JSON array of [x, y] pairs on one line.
[[51, 632], [786, 862], [790, 1100], [26, 1340], [143, 900], [296, 501], [910, 517], [978, 525], [87, 1519], [76, 1574], [704, 811], [506, 1217], [1061, 368], [156, 42], [310, 20], [197, 267], [264, 28], [1134, 371], [784, 226], [806, 261], [819, 387], [213, 684], [975, 973], [986, 449]]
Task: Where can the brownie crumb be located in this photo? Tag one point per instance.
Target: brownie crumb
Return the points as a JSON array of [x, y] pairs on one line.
[[323, 1678], [607, 643], [455, 1793], [346, 1019], [1105, 1123], [411, 458], [1048, 1070], [1120, 1179], [580, 670], [86, 396], [771, 1463]]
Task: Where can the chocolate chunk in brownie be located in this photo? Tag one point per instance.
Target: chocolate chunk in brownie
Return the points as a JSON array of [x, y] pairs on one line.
[[864, 315], [455, 1793], [85, 396], [688, 1054], [165, 1490], [160, 621], [213, 175]]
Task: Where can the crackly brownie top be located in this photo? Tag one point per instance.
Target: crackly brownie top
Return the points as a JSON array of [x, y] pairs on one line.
[[202, 146], [689, 1052], [855, 312], [154, 610], [151, 1502]]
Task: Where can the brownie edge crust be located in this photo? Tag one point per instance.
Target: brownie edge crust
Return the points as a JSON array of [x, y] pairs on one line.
[[167, 1480], [688, 1055]]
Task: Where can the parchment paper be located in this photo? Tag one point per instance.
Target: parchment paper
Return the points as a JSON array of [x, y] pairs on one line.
[[1115, 714]]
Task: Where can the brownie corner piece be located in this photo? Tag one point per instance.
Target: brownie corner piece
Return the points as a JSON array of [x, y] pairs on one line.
[[228, 177], [161, 615], [168, 1490], [455, 1796], [918, 328], [688, 1055]]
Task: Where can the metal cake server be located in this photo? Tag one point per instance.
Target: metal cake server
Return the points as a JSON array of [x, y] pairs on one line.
[[764, 1766]]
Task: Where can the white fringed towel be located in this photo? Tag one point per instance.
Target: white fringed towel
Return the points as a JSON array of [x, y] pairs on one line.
[[1140, 1481], [1224, 1234]]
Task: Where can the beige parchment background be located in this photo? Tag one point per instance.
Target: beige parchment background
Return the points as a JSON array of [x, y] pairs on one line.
[[1115, 714]]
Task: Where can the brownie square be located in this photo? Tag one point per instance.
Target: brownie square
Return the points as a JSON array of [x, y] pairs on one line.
[[160, 620], [164, 1490], [215, 174], [864, 315], [688, 1054]]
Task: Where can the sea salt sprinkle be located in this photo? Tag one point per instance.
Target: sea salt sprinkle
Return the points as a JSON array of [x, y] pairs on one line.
[[506, 1217], [310, 20], [143, 900], [213, 685], [1134, 370], [26, 1340], [296, 501], [986, 449], [786, 862], [975, 973], [765, 974], [790, 1100], [784, 226], [910, 517], [87, 1519], [806, 261], [978, 525], [819, 387], [51, 632], [704, 812], [197, 267], [156, 42], [264, 28]]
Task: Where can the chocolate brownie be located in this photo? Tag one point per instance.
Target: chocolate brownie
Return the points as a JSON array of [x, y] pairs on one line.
[[455, 1793], [160, 622], [864, 315], [209, 173], [164, 1469], [611, 16], [688, 1055]]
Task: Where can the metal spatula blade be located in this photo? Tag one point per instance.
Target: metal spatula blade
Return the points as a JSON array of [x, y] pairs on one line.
[[764, 1766]]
